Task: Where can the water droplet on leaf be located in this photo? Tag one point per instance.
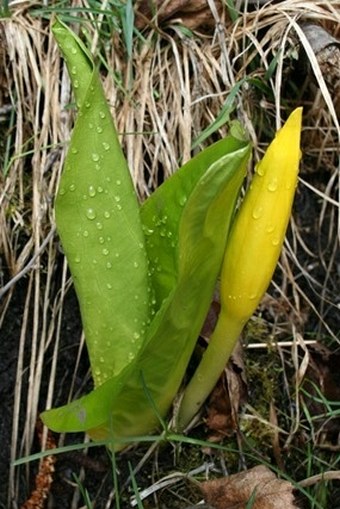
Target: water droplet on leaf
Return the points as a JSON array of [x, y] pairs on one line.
[[90, 214]]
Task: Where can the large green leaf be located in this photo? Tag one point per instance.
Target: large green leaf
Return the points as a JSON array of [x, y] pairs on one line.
[[185, 224], [97, 217], [196, 257]]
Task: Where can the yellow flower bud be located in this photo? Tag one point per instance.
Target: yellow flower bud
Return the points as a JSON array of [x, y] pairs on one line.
[[258, 232], [252, 252]]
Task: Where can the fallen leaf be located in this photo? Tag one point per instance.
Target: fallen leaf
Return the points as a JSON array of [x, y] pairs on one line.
[[192, 13], [234, 492]]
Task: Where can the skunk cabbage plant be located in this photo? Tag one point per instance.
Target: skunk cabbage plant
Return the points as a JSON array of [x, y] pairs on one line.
[[251, 255], [144, 273]]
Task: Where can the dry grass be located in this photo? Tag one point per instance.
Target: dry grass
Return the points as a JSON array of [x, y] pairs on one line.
[[173, 87]]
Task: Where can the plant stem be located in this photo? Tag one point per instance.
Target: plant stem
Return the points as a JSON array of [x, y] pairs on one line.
[[221, 345]]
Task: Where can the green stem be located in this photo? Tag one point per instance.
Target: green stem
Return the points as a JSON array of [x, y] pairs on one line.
[[221, 345]]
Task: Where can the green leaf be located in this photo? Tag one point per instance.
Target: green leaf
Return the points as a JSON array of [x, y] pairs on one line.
[[210, 183], [170, 253], [203, 230], [97, 217]]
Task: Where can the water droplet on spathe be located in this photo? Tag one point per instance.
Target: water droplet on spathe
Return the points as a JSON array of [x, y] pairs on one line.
[[76, 84], [106, 214], [106, 146], [95, 157], [259, 170], [77, 259], [102, 114], [109, 286], [99, 129], [101, 240], [257, 212], [109, 265], [72, 187], [85, 233], [99, 226], [74, 150], [272, 186], [73, 51], [105, 252], [100, 189]]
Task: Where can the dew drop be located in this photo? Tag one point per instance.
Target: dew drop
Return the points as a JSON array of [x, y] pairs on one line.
[[94, 261], [74, 150], [85, 233], [87, 105], [100, 189], [109, 265], [101, 360], [109, 286], [131, 356], [272, 186], [107, 214], [147, 231], [95, 157], [77, 259], [92, 191], [117, 255], [105, 252], [119, 207], [61, 191], [102, 114], [270, 228], [117, 199], [97, 372], [259, 170], [73, 70], [106, 146], [136, 335], [90, 214], [99, 129], [257, 212], [182, 201], [72, 187], [135, 264], [101, 240], [73, 51], [118, 182], [275, 242], [90, 125], [99, 226], [76, 84]]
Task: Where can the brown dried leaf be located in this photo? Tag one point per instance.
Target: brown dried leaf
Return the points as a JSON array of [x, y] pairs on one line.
[[192, 13], [234, 492]]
